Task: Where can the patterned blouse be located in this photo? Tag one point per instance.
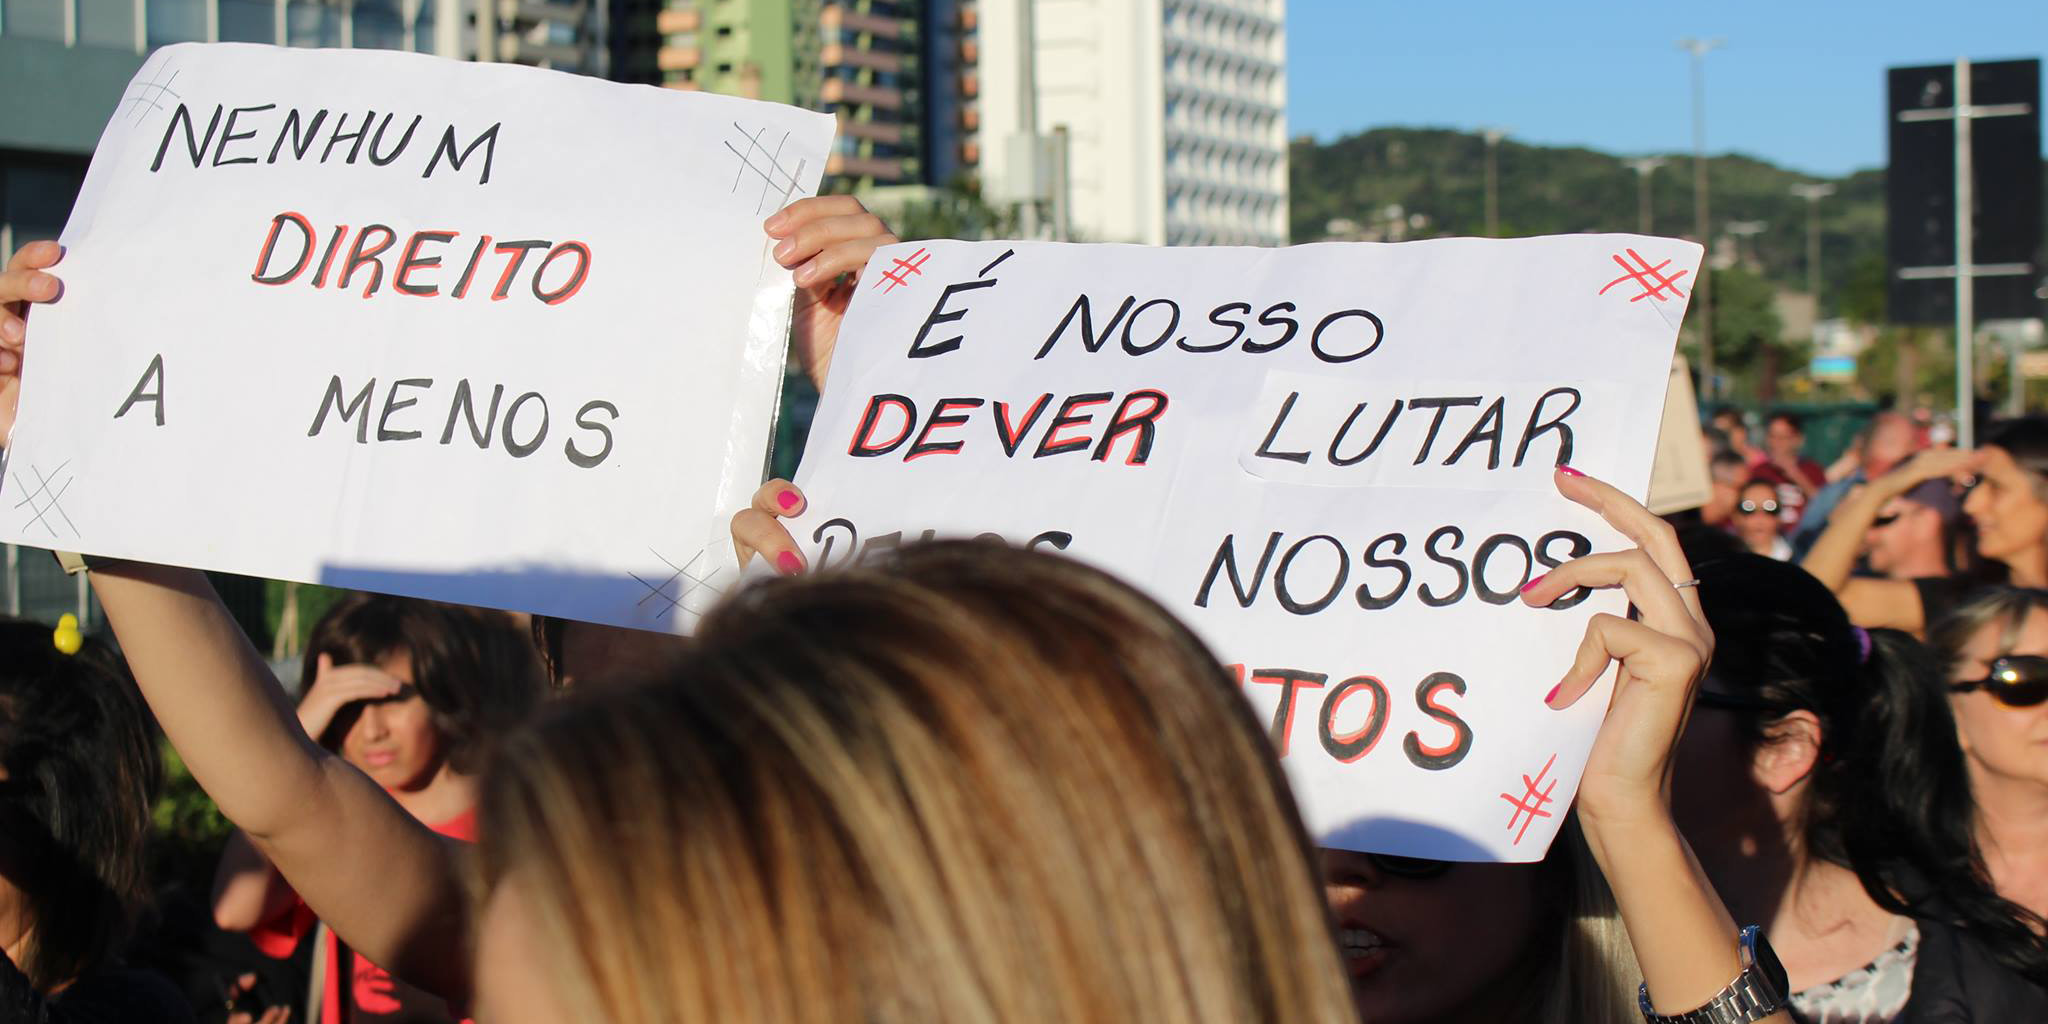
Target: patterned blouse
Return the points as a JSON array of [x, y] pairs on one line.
[[1874, 993]]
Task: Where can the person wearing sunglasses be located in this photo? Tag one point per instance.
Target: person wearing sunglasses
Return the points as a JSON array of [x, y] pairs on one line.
[[1996, 648], [2004, 489], [1757, 523], [1822, 787], [1914, 534]]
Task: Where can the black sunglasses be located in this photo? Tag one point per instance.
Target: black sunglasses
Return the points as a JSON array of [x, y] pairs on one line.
[[2016, 681], [1416, 868], [1751, 507]]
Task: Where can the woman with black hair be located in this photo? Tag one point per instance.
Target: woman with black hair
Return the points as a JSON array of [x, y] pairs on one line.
[[1995, 651], [1821, 786], [78, 770]]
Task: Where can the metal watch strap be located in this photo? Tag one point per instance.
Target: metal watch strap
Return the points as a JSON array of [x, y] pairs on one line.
[[1739, 1003], [1752, 996]]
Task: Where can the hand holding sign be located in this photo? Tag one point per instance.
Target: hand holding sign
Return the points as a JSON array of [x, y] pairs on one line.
[[1662, 653], [24, 281], [825, 241], [539, 306], [1333, 461]]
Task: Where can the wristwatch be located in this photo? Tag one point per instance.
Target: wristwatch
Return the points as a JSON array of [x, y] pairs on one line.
[[1756, 993]]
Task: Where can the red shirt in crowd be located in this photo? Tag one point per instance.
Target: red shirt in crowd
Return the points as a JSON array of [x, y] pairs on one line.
[[373, 995]]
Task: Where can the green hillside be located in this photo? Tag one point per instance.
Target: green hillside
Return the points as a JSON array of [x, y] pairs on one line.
[[1440, 174]]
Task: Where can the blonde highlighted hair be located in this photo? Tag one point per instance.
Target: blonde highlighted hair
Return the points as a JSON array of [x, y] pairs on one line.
[[1596, 975], [966, 784]]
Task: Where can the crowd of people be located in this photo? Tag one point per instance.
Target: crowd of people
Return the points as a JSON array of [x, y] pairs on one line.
[[963, 782]]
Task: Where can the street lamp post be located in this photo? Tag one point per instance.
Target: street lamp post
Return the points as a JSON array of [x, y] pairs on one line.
[[1744, 230], [1493, 137], [1703, 292], [1813, 194], [1644, 167]]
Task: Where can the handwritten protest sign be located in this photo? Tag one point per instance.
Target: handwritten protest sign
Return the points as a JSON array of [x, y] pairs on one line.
[[483, 333], [1678, 476], [1333, 461]]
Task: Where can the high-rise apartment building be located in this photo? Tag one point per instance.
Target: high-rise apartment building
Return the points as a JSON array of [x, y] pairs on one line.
[[1174, 114], [860, 60]]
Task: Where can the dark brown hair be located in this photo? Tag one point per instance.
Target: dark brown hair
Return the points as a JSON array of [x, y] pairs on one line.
[[78, 770], [477, 672]]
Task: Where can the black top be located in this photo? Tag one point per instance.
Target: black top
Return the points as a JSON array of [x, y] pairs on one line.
[[1955, 981], [102, 997], [1940, 595]]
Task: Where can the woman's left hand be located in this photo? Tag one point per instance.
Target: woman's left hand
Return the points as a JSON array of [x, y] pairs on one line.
[[826, 240], [1663, 651], [758, 529]]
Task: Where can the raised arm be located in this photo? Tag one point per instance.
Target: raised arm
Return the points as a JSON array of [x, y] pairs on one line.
[[388, 887], [247, 890], [381, 880], [1877, 603], [1685, 941]]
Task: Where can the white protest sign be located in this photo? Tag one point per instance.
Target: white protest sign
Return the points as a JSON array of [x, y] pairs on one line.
[[483, 333], [1333, 461]]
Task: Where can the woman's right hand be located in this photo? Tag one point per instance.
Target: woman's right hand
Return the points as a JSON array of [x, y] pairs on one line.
[[1684, 940], [22, 283], [336, 687], [1661, 651]]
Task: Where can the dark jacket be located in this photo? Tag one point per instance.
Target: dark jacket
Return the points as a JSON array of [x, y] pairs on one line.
[[101, 997], [1955, 981]]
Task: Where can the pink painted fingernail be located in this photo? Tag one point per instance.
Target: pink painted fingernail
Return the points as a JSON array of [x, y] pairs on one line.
[[788, 500], [775, 223], [1568, 471], [1531, 585], [783, 249], [789, 563], [1553, 693]]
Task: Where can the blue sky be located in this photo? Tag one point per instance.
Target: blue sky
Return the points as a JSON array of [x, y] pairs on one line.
[[1799, 82]]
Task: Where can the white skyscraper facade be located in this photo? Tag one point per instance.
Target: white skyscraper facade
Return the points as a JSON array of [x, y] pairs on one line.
[[1226, 122], [1174, 115]]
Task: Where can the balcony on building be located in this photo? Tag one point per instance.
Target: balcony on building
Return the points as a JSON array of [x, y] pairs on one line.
[[887, 133], [676, 20], [539, 11], [513, 49], [838, 90], [836, 55], [882, 169], [678, 58], [882, 26]]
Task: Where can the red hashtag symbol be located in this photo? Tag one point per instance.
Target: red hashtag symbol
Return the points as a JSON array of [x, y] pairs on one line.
[[1531, 801], [1652, 280], [896, 275]]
